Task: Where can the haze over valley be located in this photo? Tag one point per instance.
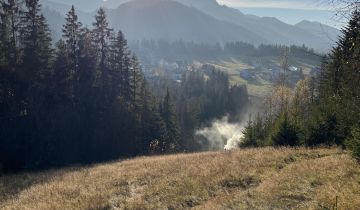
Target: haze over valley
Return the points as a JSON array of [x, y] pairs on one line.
[[168, 31]]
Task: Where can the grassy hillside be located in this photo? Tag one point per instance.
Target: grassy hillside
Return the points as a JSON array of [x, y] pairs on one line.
[[258, 86], [247, 179]]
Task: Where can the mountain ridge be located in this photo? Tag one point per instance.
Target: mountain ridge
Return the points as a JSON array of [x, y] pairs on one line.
[[280, 32], [246, 28], [170, 20]]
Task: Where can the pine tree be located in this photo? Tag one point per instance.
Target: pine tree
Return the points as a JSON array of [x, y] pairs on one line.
[[119, 66], [10, 12], [36, 42], [126, 78], [249, 139], [350, 93], [324, 129], [255, 133], [9, 26], [284, 132], [172, 134], [353, 141], [136, 80], [45, 47], [72, 31], [61, 76], [2, 25], [101, 34], [152, 127], [339, 95], [87, 63]]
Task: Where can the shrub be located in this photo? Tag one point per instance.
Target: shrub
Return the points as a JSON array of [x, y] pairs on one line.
[[284, 132], [255, 133], [324, 130], [353, 142]]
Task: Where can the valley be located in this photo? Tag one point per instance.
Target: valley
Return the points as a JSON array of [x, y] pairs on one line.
[[178, 104]]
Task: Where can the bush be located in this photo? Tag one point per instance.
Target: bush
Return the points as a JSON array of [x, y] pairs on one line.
[[255, 133], [353, 142], [249, 139], [324, 130], [284, 132]]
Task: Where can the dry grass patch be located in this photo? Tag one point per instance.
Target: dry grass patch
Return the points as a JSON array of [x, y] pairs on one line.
[[247, 179]]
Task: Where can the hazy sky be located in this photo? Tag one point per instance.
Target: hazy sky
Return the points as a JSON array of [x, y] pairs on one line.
[[290, 11], [289, 4]]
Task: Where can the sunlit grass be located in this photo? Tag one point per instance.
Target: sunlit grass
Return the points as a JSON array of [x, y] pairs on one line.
[[247, 179]]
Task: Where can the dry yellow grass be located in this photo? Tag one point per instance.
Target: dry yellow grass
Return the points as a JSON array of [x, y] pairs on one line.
[[247, 179]]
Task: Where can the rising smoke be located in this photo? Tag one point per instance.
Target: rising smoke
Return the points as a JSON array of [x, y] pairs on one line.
[[222, 134]]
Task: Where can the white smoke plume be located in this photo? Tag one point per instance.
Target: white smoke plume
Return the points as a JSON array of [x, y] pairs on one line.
[[222, 134]]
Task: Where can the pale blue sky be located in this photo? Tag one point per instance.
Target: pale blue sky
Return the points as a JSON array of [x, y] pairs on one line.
[[290, 4], [289, 11]]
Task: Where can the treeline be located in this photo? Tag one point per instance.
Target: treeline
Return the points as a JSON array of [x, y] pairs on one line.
[[320, 111], [83, 101], [180, 50], [204, 94]]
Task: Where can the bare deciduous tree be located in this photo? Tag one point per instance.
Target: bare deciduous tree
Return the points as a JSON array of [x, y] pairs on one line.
[[343, 8]]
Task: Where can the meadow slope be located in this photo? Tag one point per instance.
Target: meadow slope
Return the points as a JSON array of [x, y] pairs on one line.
[[245, 179]]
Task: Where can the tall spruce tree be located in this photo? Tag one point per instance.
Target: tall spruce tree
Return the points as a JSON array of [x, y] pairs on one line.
[[339, 94], [284, 132], [61, 76], [172, 134], [9, 25], [101, 34], [351, 77], [87, 63], [72, 30], [136, 78], [36, 42], [120, 67]]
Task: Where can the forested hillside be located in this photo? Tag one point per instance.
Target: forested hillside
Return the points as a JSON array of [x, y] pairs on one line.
[[324, 110], [151, 51], [86, 99], [79, 102]]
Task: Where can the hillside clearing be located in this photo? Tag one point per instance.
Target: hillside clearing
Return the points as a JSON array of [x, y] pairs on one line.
[[258, 87], [245, 179]]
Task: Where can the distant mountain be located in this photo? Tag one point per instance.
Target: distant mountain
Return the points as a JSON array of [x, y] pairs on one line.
[[271, 28], [113, 4], [55, 21], [90, 5], [170, 20], [63, 9], [199, 21], [56, 6], [320, 30]]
